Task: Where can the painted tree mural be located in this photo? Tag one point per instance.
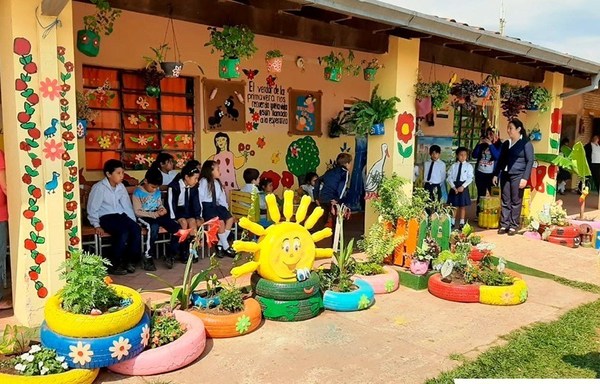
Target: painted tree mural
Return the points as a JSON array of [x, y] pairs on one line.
[[302, 157]]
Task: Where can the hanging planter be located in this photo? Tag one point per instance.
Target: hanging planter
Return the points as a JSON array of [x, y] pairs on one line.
[[81, 128], [370, 69], [378, 129], [234, 43], [336, 65], [369, 74], [535, 135], [333, 74], [229, 68], [274, 60], [171, 68], [369, 115], [152, 77], [102, 22]]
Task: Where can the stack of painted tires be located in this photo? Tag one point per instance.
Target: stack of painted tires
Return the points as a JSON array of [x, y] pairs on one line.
[[566, 236], [295, 301], [88, 341]]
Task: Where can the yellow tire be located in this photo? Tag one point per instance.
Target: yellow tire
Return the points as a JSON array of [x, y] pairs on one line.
[[73, 325], [73, 376], [507, 295]]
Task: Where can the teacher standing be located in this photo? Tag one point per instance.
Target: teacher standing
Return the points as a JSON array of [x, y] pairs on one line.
[[513, 168]]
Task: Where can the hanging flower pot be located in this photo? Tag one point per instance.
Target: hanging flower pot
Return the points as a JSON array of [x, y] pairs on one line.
[[333, 74], [81, 128], [171, 68], [377, 129], [274, 61], [483, 92], [423, 106], [369, 74], [152, 91], [535, 136], [229, 68], [88, 42]]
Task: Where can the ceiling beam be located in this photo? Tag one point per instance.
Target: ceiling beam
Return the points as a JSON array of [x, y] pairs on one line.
[[53, 7]]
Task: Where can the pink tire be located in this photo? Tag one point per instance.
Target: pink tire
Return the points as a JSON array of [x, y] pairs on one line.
[[172, 356], [384, 283]]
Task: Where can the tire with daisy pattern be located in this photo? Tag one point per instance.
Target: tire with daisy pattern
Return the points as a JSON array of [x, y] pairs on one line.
[[361, 298], [291, 310], [177, 354], [286, 291], [233, 324], [73, 376], [89, 326], [386, 282], [101, 351]]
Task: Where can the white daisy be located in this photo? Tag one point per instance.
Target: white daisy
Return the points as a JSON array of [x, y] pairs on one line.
[[120, 348], [145, 335], [81, 354], [20, 367], [35, 348], [43, 371]]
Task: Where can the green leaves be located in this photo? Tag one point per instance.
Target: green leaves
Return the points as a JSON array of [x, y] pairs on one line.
[[405, 152], [554, 144], [232, 41], [31, 172]]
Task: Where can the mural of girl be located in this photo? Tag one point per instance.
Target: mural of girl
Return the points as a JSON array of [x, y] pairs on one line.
[[227, 161]]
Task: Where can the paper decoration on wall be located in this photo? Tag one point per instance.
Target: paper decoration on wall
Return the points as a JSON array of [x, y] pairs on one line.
[[261, 142], [305, 112], [405, 127], [232, 111], [302, 157], [536, 179], [142, 102], [224, 111], [250, 73], [271, 81], [273, 176], [228, 162], [276, 157], [51, 130], [376, 173]]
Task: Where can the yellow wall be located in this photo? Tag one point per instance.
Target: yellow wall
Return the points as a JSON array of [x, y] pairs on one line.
[[135, 33]]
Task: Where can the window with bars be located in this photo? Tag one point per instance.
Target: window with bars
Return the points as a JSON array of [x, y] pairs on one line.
[[468, 127], [133, 127]]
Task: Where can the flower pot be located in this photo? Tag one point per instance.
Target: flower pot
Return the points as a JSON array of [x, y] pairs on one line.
[[152, 91], [274, 64], [333, 74], [476, 254], [377, 129], [423, 107], [229, 68], [532, 107], [88, 42], [81, 128], [386, 282], [532, 235], [361, 298], [369, 74], [205, 302], [418, 267], [78, 376], [483, 92], [298, 290], [171, 68], [233, 324], [535, 136]]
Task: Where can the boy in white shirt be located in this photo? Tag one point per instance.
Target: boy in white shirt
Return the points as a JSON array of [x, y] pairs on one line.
[[434, 173]]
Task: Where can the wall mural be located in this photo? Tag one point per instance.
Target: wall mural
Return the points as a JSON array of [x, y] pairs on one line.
[[31, 176], [228, 161], [555, 129], [224, 108], [305, 112], [302, 157], [69, 155], [405, 127], [376, 173], [267, 104]]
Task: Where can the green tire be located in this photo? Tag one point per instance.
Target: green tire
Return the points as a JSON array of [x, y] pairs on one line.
[[292, 310], [286, 291]]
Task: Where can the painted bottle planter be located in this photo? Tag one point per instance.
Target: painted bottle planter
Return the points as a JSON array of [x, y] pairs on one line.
[[81, 128], [377, 129], [535, 136], [73, 376], [171, 68], [483, 92], [88, 42], [201, 301], [418, 267], [386, 282], [361, 298], [274, 64], [152, 91], [89, 326], [229, 68], [177, 354], [233, 324], [369, 74], [333, 74]]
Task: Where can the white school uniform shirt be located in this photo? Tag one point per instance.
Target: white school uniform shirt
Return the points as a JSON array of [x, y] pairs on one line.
[[466, 176], [249, 188], [105, 199], [205, 195], [438, 175], [168, 177], [595, 153]]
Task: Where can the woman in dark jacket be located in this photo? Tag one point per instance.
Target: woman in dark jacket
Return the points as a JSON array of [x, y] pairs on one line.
[[487, 152], [513, 168]]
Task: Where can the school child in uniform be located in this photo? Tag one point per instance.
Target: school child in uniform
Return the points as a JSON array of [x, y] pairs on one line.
[[151, 214], [214, 204], [460, 176], [331, 188], [165, 162], [183, 204], [310, 180], [110, 211], [434, 173], [251, 176]]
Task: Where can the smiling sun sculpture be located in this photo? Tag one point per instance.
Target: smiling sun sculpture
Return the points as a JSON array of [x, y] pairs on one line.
[[285, 251]]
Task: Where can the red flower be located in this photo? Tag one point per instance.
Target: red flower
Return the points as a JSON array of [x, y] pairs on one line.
[[73, 171], [255, 116], [36, 193], [24, 146], [66, 88], [64, 102], [556, 126], [287, 179], [21, 46], [405, 127], [68, 224], [71, 206], [34, 133], [68, 186], [69, 66], [68, 136], [64, 116], [65, 156], [273, 176], [26, 179], [36, 162], [249, 126], [211, 231], [60, 51], [42, 292], [74, 240]]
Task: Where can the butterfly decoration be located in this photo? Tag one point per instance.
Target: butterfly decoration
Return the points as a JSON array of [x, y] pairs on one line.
[[271, 81], [142, 102], [250, 73]]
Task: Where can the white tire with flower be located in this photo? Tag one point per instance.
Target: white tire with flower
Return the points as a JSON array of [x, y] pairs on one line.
[[98, 352]]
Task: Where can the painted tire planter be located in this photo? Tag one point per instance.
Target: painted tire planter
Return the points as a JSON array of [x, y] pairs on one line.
[[73, 376], [73, 325], [172, 356], [452, 292], [359, 299], [507, 295], [568, 232], [292, 310], [101, 351], [286, 291], [386, 282], [234, 324], [572, 242], [594, 224]]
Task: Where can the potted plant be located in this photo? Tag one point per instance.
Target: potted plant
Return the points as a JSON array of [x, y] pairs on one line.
[[481, 250], [102, 22], [465, 94], [234, 43], [378, 244], [342, 124], [274, 59], [370, 115], [84, 113], [513, 100], [152, 77], [428, 251], [370, 68], [431, 96], [535, 134], [336, 65], [390, 198], [539, 98], [169, 68]]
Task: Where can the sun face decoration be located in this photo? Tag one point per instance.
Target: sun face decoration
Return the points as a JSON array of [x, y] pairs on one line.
[[285, 251]]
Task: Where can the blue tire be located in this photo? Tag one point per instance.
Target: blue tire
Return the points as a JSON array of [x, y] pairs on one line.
[[98, 352], [357, 300]]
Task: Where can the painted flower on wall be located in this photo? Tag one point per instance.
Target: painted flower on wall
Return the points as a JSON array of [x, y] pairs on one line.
[[104, 142], [255, 116], [556, 126], [405, 127], [53, 150], [142, 102], [287, 179], [274, 176], [140, 158], [50, 88], [80, 353], [248, 126], [186, 139], [133, 120]]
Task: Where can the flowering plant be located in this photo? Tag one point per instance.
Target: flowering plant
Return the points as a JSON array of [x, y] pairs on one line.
[[165, 328], [84, 112], [40, 361]]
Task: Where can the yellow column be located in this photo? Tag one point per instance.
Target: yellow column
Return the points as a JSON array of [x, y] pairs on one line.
[[396, 79], [549, 124], [38, 110]]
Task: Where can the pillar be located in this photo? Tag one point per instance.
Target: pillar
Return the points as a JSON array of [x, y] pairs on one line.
[[397, 78], [543, 184], [40, 144]]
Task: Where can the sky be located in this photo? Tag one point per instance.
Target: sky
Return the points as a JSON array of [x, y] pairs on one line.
[[567, 26]]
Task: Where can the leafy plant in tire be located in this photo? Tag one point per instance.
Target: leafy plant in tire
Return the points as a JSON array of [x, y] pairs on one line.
[[302, 157], [232, 299], [378, 244], [86, 288], [164, 329]]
